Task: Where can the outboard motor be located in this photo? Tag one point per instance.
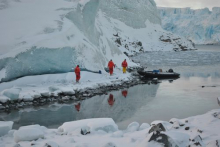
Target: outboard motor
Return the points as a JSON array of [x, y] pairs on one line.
[[170, 70]]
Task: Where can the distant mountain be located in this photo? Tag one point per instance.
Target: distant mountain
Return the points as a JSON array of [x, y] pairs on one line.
[[201, 26]]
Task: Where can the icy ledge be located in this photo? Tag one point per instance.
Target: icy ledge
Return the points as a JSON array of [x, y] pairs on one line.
[[201, 130], [43, 89]]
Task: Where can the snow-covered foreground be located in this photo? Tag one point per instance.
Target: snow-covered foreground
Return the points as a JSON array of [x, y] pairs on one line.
[[202, 130], [33, 87]]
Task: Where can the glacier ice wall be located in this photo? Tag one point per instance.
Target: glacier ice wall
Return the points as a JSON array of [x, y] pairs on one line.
[[201, 26], [56, 35]]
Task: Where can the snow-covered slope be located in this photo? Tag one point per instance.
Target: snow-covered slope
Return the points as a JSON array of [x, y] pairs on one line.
[[201, 26], [53, 36]]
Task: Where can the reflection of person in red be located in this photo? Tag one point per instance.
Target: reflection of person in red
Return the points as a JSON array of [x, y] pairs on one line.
[[124, 93], [111, 66], [77, 107], [111, 100], [77, 72]]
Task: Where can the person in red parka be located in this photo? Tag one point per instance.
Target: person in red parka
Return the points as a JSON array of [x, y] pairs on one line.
[[111, 100], [111, 66], [77, 72], [124, 65]]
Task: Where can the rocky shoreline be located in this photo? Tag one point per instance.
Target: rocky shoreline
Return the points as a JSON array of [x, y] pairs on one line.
[[75, 95]]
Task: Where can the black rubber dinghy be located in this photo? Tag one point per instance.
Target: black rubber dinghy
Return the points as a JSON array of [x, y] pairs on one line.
[[159, 75]]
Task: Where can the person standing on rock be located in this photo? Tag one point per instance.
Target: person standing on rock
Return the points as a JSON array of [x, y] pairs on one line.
[[77, 72], [124, 66], [111, 66]]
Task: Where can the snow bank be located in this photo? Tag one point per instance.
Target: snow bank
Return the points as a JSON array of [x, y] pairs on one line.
[[201, 130], [5, 127], [29, 133], [34, 87], [105, 124]]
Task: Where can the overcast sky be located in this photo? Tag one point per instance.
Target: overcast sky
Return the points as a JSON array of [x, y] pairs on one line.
[[194, 4]]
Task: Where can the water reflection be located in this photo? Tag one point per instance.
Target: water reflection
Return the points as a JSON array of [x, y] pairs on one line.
[[111, 100], [114, 105], [77, 106], [124, 93]]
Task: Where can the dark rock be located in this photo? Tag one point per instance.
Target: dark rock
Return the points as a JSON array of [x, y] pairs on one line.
[[139, 43], [157, 128], [186, 128], [118, 41], [163, 139], [85, 131], [200, 131], [116, 35]]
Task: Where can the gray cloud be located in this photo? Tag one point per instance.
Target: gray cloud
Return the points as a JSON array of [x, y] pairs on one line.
[[194, 4]]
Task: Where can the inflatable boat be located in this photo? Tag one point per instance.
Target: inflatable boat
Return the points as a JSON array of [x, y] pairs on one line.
[[160, 75]]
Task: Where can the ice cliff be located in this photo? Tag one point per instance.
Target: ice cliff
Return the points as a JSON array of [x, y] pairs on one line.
[[202, 26], [53, 36]]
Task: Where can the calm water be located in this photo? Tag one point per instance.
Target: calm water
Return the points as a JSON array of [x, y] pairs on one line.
[[180, 98]]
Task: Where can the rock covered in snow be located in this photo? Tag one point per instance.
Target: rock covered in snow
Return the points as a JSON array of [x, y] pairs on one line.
[[29, 133], [194, 137], [5, 127]]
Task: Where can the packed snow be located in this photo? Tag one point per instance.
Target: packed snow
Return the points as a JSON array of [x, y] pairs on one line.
[[201, 130], [202, 26], [53, 36]]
